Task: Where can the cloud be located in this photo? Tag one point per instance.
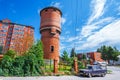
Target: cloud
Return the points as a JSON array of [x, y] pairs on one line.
[[97, 7], [78, 29], [109, 34], [89, 29], [67, 32], [38, 11], [63, 20], [118, 9], [99, 29], [56, 4], [70, 39], [62, 46]]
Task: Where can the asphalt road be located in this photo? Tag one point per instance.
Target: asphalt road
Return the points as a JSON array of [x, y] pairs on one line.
[[114, 76]]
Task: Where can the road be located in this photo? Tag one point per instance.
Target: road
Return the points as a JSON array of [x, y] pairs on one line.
[[114, 76]]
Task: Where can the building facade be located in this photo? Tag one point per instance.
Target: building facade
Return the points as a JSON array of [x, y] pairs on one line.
[[15, 36], [50, 29], [93, 56]]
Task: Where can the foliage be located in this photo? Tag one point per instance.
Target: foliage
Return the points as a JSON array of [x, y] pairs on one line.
[[109, 53], [1, 48], [10, 53], [73, 53], [37, 50], [6, 65], [65, 57], [109, 72], [25, 65], [84, 57], [80, 65]]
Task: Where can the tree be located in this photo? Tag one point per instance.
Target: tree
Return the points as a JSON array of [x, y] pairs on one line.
[[65, 56], [6, 65], [84, 57], [10, 53], [109, 53], [28, 64], [103, 49], [1, 48], [37, 49], [73, 54]]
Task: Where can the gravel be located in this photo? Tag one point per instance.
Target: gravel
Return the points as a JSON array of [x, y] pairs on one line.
[[114, 76]]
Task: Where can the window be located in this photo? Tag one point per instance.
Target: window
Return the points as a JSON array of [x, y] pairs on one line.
[[3, 31], [54, 9], [5, 26], [2, 35], [11, 29], [16, 28], [46, 10], [8, 42], [52, 48]]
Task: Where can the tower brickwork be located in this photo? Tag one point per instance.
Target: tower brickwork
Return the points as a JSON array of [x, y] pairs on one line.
[[50, 29]]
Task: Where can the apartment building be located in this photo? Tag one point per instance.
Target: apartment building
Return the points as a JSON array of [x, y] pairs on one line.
[[15, 36], [93, 56]]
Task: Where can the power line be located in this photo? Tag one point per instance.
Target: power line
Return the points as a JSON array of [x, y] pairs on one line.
[[76, 22]]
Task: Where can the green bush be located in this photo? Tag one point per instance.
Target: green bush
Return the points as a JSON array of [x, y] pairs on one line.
[[80, 65], [26, 65]]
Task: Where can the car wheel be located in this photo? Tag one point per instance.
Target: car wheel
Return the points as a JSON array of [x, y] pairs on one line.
[[103, 74], [89, 75]]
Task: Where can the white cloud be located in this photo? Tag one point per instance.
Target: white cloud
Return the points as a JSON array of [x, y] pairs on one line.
[[89, 29], [62, 46], [118, 9], [38, 11], [70, 39], [67, 32], [56, 4], [97, 7], [99, 31], [63, 20], [62, 38], [109, 34], [78, 29]]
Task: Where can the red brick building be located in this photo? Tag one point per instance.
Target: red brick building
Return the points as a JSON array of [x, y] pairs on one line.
[[50, 29], [94, 56], [15, 36]]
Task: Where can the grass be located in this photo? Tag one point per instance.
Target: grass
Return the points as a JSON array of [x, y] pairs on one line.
[[109, 72], [64, 68]]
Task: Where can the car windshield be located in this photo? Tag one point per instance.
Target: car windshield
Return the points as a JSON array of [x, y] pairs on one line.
[[89, 67]]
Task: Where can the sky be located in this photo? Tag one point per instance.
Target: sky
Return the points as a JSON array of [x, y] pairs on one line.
[[86, 24]]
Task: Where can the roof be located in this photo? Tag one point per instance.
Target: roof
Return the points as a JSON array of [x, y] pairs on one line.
[[51, 7], [16, 24]]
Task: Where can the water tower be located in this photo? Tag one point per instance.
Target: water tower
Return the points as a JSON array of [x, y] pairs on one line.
[[50, 29]]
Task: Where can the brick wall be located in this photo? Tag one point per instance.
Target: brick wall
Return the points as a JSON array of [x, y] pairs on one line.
[[50, 29]]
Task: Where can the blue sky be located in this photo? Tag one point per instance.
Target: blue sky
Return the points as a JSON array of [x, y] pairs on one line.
[[86, 24]]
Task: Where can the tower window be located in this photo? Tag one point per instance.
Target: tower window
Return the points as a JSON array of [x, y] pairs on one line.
[[52, 48], [46, 10], [54, 9]]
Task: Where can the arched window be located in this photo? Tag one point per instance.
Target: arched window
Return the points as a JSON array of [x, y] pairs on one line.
[[52, 48]]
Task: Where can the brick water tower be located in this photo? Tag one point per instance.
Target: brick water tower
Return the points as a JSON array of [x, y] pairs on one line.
[[50, 29]]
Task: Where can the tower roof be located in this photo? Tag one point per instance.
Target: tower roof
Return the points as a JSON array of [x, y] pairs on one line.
[[51, 7]]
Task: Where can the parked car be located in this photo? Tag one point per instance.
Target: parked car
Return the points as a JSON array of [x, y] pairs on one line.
[[93, 70], [103, 65]]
